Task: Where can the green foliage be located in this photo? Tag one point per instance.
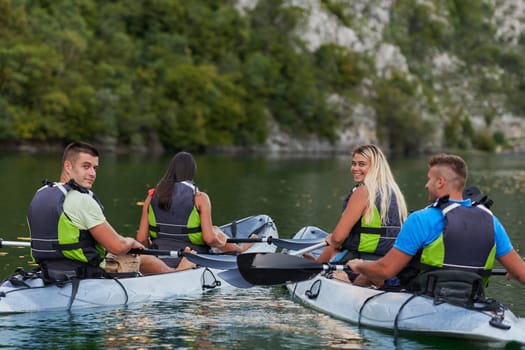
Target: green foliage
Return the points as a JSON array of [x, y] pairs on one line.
[[464, 31], [482, 140], [194, 73], [286, 76], [499, 138], [399, 125], [337, 8], [416, 29], [458, 131], [7, 121], [207, 111], [338, 68], [472, 34]]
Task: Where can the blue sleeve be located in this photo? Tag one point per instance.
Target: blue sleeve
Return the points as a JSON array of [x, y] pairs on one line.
[[502, 240], [421, 228]]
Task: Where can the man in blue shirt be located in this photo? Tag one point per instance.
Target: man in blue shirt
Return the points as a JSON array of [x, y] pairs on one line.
[[479, 240]]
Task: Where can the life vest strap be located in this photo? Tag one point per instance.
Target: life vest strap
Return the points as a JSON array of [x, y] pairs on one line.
[[71, 246], [176, 231], [373, 230]]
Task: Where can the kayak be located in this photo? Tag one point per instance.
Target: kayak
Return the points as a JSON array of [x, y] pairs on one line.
[[402, 311], [27, 292]]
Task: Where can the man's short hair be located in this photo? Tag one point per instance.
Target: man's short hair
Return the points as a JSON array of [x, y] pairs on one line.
[[74, 148], [455, 163]]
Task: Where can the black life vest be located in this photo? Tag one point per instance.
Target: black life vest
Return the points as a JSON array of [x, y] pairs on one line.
[[53, 236], [373, 239], [179, 226], [466, 244]]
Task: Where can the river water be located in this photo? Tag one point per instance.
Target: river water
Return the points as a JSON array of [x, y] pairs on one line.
[[294, 191]]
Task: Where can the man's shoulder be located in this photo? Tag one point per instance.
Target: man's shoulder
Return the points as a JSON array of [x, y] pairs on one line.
[[77, 194], [76, 198], [427, 214], [428, 210]]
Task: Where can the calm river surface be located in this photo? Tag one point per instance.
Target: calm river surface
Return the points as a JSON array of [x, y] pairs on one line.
[[295, 192]]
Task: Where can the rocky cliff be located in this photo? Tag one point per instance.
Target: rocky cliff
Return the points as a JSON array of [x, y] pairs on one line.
[[456, 95]]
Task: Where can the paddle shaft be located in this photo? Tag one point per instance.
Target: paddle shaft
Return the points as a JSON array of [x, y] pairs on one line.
[[275, 268], [221, 262], [343, 267], [175, 253], [310, 249], [14, 244], [156, 252], [285, 243], [498, 272]]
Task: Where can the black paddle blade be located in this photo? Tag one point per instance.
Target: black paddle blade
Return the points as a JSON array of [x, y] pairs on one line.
[[234, 278], [475, 195], [472, 192], [275, 268]]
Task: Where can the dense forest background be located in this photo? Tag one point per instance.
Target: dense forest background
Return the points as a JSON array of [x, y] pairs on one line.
[[198, 74]]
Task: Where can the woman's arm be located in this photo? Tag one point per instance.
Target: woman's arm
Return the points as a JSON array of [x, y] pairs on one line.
[[213, 238], [355, 208], [142, 232]]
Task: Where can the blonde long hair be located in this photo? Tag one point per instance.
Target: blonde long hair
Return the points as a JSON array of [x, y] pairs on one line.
[[380, 181]]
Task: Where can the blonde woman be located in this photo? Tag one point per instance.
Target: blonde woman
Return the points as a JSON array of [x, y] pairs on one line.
[[372, 213]]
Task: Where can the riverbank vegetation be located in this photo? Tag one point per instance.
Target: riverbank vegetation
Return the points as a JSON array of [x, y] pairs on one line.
[[194, 74]]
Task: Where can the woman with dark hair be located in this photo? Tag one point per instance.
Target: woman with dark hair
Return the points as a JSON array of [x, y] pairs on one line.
[[176, 215]]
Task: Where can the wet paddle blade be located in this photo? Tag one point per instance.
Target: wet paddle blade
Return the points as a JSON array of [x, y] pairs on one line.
[[472, 192], [220, 262], [234, 278], [275, 268]]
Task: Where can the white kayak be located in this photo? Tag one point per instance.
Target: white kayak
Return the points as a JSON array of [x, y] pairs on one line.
[[402, 311], [26, 292]]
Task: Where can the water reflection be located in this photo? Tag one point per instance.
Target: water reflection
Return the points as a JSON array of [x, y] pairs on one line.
[[257, 318]]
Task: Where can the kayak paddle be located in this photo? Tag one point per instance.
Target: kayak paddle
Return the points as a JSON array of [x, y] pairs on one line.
[[221, 262], [276, 268], [14, 244], [309, 249], [235, 278], [289, 243]]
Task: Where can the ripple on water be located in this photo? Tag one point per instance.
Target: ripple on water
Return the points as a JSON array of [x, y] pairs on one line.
[[256, 318]]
